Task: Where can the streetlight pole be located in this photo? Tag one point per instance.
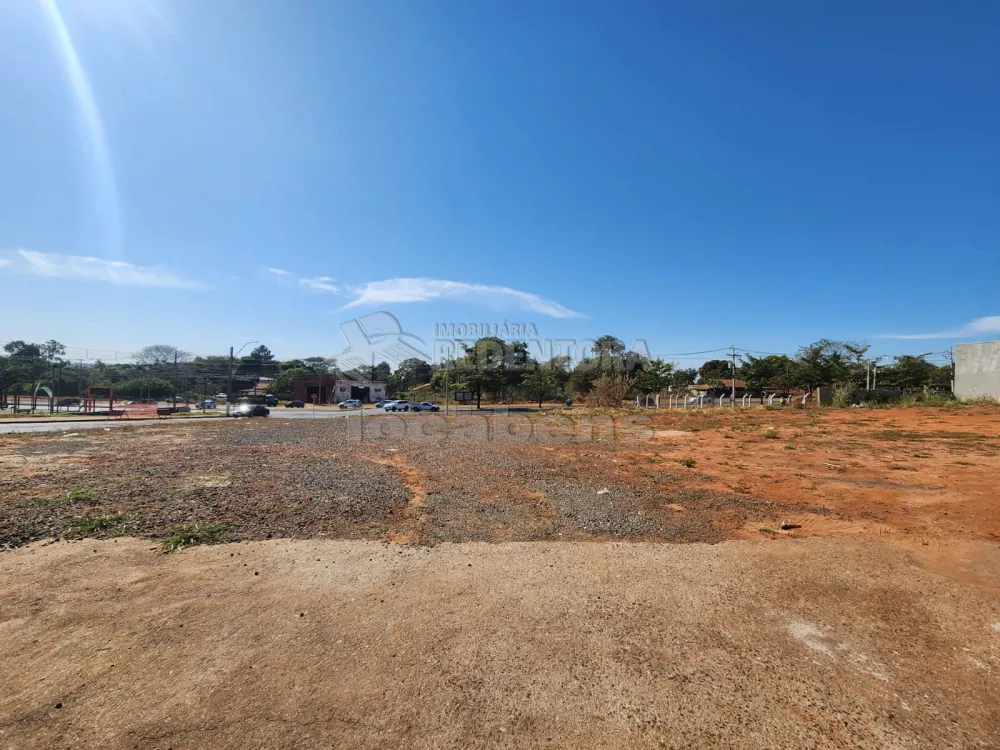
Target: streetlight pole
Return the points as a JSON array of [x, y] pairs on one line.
[[229, 392]]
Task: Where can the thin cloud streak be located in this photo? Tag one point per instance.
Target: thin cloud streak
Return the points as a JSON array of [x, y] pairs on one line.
[[319, 283], [978, 327], [392, 291], [84, 268]]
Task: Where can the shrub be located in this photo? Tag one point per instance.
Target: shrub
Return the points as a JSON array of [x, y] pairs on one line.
[[609, 391]]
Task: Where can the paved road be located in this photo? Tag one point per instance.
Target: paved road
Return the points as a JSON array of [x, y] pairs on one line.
[[68, 424]]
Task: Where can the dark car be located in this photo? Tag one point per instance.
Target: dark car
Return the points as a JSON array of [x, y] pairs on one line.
[[296, 404], [271, 400], [251, 410]]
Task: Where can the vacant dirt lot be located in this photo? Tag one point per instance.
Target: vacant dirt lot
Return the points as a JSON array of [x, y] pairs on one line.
[[377, 615], [915, 475]]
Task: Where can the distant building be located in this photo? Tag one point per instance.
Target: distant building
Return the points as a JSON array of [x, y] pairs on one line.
[[715, 391], [977, 370], [333, 390]]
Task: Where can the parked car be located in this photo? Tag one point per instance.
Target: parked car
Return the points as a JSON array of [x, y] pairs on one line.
[[208, 403], [401, 405], [380, 404], [251, 410], [296, 404], [270, 399], [351, 403], [220, 397], [426, 406]]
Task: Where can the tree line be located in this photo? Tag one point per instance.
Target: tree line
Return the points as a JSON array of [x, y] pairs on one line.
[[492, 368]]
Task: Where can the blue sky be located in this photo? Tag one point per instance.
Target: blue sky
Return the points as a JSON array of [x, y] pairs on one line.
[[203, 173]]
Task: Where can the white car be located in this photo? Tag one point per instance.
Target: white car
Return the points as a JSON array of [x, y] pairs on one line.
[[401, 405], [351, 403]]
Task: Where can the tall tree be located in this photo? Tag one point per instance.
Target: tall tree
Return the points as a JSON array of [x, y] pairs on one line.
[[261, 354], [652, 376], [775, 372], [540, 382], [715, 370], [608, 352], [684, 378], [160, 354], [909, 373], [825, 362], [483, 367], [412, 372]]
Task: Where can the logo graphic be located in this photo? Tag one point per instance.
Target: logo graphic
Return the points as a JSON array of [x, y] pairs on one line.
[[379, 337]]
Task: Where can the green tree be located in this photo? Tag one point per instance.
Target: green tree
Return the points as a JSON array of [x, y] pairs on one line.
[[283, 384], [715, 370], [910, 373], [262, 354], [609, 353], [483, 367], [825, 362], [539, 382], [317, 365], [652, 376], [160, 354], [775, 372], [412, 372], [682, 379], [24, 365]]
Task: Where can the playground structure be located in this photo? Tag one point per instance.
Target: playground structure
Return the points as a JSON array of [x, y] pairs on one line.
[[89, 404], [99, 402]]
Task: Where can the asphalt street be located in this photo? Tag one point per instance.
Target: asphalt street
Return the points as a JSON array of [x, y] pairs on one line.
[[57, 424]]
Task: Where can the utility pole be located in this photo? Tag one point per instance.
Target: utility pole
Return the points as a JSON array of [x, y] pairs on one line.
[[175, 379], [951, 358], [447, 384], [734, 376], [34, 392], [229, 389]]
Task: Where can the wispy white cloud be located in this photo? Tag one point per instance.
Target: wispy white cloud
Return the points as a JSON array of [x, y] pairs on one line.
[[85, 268], [319, 283], [978, 327], [5, 262], [427, 290]]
